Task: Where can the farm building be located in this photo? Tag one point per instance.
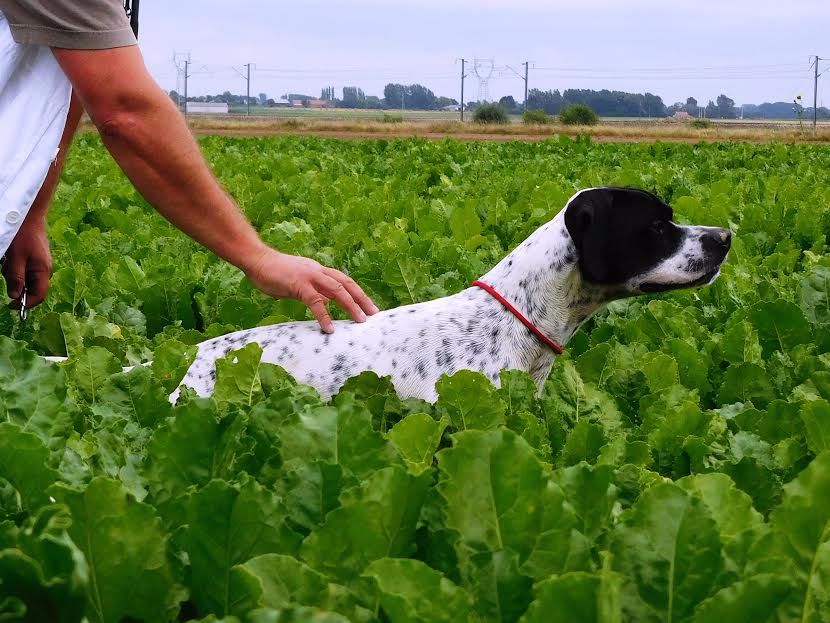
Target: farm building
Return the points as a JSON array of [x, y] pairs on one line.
[[207, 108]]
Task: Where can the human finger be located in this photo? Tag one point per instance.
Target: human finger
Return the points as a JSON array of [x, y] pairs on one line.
[[14, 270], [356, 292], [37, 285], [336, 291], [316, 302]]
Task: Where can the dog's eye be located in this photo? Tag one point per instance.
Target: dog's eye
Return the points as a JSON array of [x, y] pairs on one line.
[[658, 227]]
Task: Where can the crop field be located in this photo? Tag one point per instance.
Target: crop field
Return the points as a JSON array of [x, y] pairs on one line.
[[608, 130], [676, 467]]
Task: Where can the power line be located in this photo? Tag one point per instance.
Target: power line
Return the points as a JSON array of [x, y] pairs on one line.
[[702, 68]]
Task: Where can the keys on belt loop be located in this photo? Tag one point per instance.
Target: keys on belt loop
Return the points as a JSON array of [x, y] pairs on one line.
[[24, 313]]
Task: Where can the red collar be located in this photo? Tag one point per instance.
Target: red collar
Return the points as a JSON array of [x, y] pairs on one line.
[[509, 307]]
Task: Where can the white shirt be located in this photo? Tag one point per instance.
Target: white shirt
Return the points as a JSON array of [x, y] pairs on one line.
[[34, 101]]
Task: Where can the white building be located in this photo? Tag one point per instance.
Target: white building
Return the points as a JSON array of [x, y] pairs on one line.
[[205, 108]]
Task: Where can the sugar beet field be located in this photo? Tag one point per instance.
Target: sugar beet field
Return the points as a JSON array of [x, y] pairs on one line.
[[675, 468]]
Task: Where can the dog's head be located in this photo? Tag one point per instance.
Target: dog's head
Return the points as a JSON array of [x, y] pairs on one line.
[[625, 238]]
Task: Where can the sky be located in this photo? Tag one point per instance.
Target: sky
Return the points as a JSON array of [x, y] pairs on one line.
[[751, 51]]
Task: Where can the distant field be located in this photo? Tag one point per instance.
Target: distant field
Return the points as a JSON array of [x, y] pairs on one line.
[[350, 123], [608, 130], [349, 113], [336, 114]]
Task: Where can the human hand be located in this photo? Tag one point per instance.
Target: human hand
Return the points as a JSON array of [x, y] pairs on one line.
[[28, 263], [301, 278]]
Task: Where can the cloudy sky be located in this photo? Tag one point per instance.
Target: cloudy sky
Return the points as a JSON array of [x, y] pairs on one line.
[[751, 51]]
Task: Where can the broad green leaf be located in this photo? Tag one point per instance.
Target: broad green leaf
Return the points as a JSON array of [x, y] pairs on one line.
[[171, 361], [283, 582], [90, 370], [24, 464], [417, 437], [566, 395], [692, 365], [596, 364], [470, 401], [379, 396], [493, 483], [376, 519], [583, 597], [341, 435], [816, 418], [517, 391], [194, 447], [803, 519], [668, 550], [757, 480], [591, 492], [741, 344], [501, 592], [411, 592], [407, 277], [43, 571], [130, 573], [33, 394], [166, 302], [584, 443], [496, 492], [523, 414], [781, 325], [753, 600], [300, 614], [660, 370], [135, 396], [746, 382], [237, 376], [464, 224], [815, 295], [310, 490], [730, 508], [227, 525]]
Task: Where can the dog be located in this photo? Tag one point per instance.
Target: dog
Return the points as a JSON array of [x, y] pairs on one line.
[[607, 243]]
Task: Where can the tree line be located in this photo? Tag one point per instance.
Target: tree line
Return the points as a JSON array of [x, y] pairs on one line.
[[604, 102]]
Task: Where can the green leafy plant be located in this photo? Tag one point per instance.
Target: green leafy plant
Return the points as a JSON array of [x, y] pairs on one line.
[[491, 113], [392, 118], [700, 124], [578, 114], [675, 467], [535, 117]]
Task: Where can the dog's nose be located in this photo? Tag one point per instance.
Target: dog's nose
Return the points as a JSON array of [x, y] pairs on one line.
[[717, 240]]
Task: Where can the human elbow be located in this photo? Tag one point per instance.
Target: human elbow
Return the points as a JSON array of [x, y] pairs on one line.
[[119, 125]]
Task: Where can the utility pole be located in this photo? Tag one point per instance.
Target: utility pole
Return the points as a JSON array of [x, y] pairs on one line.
[[462, 88], [815, 94], [248, 98], [186, 76], [247, 78], [522, 77]]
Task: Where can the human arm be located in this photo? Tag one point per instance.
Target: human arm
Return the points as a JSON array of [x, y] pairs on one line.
[[149, 139], [28, 259]]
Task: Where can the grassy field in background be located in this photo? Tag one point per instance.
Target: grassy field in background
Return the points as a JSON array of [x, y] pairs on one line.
[[348, 123], [606, 130]]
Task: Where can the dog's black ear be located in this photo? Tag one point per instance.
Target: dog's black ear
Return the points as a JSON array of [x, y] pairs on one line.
[[579, 215], [586, 222]]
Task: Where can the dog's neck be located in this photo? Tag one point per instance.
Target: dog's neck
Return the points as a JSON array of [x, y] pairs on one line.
[[541, 278]]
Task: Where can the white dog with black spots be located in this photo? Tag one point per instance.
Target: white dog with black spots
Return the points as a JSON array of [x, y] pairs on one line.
[[607, 243]]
